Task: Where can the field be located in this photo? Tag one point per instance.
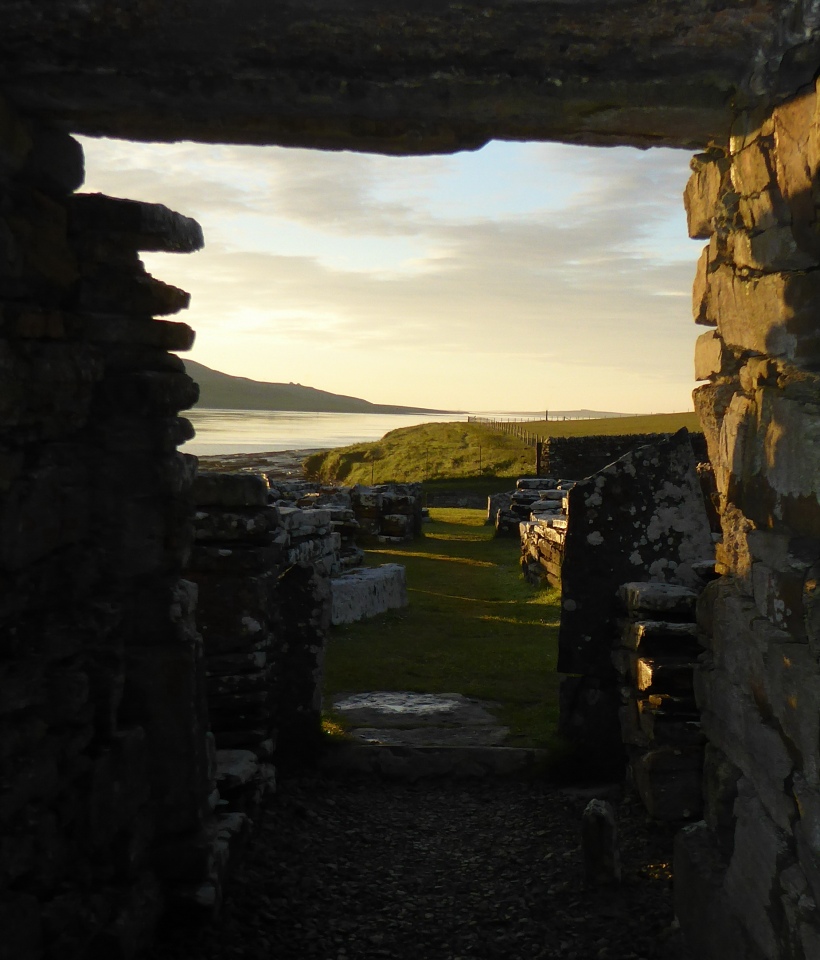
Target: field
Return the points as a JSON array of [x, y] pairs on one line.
[[473, 626], [441, 452]]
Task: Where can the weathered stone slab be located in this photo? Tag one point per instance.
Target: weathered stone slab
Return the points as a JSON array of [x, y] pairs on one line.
[[703, 191], [141, 226], [708, 356], [230, 490], [666, 599], [367, 592]]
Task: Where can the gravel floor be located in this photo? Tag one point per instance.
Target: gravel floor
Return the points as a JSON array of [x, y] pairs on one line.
[[366, 869]]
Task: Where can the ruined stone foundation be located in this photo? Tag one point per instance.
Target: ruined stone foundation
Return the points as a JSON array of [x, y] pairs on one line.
[[105, 762], [748, 875]]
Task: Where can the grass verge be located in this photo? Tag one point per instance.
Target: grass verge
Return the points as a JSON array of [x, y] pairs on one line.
[[474, 626]]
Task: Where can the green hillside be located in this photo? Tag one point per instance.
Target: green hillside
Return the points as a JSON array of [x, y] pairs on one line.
[[449, 451], [225, 392], [425, 452], [613, 425]]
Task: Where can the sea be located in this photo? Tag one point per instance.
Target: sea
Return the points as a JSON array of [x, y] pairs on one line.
[[257, 431]]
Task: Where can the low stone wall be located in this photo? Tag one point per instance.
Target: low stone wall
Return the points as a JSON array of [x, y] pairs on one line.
[[542, 550], [382, 513], [542, 535], [579, 457], [264, 607], [359, 594], [540, 498], [655, 660], [642, 518]]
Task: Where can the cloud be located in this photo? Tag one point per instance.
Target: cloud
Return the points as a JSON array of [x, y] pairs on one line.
[[571, 257]]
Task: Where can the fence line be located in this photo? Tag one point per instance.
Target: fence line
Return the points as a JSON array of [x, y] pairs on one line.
[[511, 425]]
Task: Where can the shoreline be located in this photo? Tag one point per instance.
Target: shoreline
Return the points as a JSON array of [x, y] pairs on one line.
[[275, 464]]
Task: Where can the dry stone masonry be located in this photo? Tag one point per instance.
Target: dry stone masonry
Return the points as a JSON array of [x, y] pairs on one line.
[[751, 870], [655, 658], [641, 518], [580, 457], [108, 797], [107, 776], [364, 593]]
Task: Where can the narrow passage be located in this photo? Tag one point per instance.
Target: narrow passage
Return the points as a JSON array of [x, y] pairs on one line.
[[473, 627], [369, 869], [372, 870]]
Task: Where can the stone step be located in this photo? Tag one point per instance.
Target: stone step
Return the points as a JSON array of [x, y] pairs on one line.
[[664, 598]]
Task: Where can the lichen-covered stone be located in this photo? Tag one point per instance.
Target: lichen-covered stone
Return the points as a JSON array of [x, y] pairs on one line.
[[642, 516]]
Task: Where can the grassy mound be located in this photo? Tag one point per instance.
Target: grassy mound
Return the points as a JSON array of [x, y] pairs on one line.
[[430, 451], [473, 627]]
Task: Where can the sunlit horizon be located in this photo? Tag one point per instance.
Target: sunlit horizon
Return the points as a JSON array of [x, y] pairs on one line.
[[520, 276]]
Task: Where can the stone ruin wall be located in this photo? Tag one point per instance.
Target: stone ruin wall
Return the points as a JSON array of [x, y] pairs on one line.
[[750, 873], [161, 635], [107, 777], [106, 771], [574, 458]]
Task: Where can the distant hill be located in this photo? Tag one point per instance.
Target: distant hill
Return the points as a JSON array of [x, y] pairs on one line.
[[224, 392]]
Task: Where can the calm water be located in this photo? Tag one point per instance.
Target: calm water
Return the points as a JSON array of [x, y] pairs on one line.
[[253, 431]]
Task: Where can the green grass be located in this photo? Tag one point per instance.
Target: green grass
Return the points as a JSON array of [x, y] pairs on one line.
[[435, 453], [615, 426], [429, 451], [474, 627]]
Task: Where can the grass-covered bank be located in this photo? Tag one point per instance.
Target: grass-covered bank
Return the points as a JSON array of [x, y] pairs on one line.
[[429, 451], [436, 453], [473, 627]]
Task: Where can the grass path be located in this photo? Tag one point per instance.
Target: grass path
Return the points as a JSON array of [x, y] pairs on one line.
[[473, 627]]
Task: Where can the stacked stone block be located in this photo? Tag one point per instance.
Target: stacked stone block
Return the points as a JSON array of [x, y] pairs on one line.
[[540, 498], [343, 523], [542, 535], [262, 569], [753, 866], [542, 550], [642, 518], [235, 563], [660, 723], [388, 511], [104, 755]]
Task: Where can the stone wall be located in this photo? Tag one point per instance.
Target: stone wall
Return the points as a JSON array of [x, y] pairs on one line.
[[655, 656], [641, 519], [574, 458], [384, 513], [544, 530], [748, 877], [263, 572], [105, 760]]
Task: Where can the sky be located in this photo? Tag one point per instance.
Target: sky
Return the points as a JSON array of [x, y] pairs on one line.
[[521, 277]]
